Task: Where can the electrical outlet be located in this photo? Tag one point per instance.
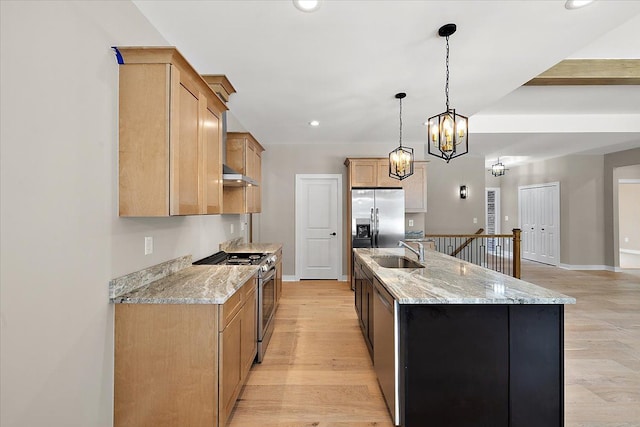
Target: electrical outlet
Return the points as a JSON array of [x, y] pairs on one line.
[[148, 245], [231, 228], [410, 223], [506, 217], [242, 226], [475, 220]]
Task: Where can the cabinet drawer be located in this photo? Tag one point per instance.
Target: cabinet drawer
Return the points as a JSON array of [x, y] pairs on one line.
[[229, 309]]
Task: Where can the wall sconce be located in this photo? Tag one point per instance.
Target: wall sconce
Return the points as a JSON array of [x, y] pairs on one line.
[[463, 191]]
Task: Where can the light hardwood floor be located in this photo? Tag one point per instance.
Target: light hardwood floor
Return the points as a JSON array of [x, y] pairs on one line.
[[317, 371]]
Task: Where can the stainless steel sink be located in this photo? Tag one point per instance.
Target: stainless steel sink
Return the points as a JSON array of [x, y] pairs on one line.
[[396, 262]]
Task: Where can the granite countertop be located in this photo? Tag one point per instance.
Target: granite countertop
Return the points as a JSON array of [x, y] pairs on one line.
[[197, 284], [254, 247], [447, 280]]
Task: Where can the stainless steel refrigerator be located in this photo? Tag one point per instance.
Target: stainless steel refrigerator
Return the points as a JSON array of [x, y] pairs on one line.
[[377, 217]]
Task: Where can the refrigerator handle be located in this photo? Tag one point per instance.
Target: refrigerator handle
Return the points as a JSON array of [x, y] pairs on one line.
[[373, 230], [377, 226]]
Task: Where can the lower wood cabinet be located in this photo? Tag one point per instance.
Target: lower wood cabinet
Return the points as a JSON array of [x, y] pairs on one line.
[[183, 364]]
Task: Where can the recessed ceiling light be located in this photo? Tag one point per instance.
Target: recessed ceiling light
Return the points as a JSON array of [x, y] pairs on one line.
[[314, 123], [577, 4], [307, 5]]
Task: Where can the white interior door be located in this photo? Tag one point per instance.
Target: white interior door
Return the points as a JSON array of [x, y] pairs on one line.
[[318, 226], [540, 222]]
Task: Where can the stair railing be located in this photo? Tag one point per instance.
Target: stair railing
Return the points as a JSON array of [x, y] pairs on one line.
[[498, 252]]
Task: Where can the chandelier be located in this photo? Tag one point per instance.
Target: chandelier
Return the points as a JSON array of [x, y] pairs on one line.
[[498, 169], [447, 132], [401, 159]]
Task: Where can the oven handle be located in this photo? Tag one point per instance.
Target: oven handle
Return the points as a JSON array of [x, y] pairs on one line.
[[268, 276]]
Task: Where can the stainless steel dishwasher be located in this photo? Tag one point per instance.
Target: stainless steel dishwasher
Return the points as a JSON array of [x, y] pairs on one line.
[[385, 354]]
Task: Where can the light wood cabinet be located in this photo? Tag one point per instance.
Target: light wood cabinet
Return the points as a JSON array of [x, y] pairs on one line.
[[370, 172], [415, 189], [249, 340], [170, 136], [363, 172], [244, 154], [238, 342], [183, 364], [384, 180], [165, 370]]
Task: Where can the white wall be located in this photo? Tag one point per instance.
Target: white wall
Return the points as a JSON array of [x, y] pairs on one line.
[[62, 240], [581, 180]]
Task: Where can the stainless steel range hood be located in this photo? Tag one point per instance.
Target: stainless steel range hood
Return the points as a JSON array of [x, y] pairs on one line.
[[231, 178]]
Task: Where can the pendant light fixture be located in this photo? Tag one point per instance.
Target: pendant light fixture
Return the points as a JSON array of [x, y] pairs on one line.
[[498, 169], [448, 131], [401, 159]]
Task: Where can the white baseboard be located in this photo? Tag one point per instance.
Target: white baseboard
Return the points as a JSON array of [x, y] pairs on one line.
[[586, 267], [630, 251]]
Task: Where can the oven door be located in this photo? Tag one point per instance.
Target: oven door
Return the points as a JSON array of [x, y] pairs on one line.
[[266, 309]]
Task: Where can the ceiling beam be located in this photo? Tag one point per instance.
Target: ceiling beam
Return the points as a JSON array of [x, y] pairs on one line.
[[576, 72]]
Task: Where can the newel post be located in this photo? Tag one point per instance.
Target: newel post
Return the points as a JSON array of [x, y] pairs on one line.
[[516, 253]]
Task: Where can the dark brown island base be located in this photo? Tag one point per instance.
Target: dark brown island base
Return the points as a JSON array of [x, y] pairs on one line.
[[454, 344]]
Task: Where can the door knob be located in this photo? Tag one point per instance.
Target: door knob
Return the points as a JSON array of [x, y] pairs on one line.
[[332, 234]]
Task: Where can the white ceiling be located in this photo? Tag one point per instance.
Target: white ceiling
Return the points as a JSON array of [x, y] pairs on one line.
[[343, 64]]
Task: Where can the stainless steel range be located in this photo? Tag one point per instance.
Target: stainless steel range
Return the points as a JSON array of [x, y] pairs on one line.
[[266, 288]]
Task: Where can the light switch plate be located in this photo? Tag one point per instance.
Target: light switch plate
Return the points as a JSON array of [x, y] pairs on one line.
[[410, 223], [506, 217], [148, 245], [231, 228]]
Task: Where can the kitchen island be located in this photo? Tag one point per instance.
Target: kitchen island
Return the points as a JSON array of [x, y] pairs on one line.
[[456, 344]]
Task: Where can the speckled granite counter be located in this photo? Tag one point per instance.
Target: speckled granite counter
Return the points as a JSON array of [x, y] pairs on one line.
[[253, 247], [193, 284], [446, 280]]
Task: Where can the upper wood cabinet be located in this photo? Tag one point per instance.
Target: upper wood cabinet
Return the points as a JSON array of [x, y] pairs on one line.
[[244, 154], [415, 189], [170, 139], [374, 172], [370, 172]]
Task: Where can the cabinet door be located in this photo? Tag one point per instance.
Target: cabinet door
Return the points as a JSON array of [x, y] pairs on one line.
[[249, 328], [415, 189], [384, 180], [212, 156], [364, 173], [230, 366], [185, 172], [144, 110]]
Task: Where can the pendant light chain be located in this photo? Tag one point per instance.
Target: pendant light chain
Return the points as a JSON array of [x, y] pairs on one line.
[[400, 122], [446, 87]]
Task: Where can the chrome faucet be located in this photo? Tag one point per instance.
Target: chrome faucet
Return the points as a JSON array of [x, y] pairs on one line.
[[419, 252]]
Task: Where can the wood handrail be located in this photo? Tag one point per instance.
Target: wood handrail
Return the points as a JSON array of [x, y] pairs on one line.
[[516, 253], [475, 236], [467, 242]]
